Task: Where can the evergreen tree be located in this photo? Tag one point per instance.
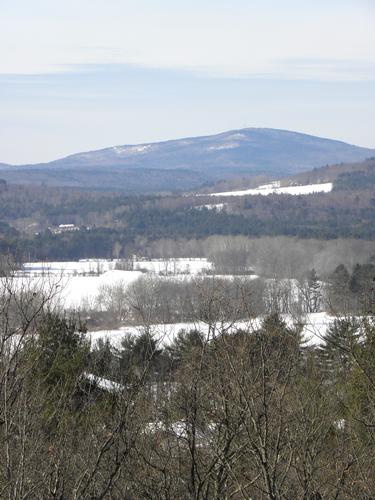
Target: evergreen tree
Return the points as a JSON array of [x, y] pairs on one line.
[[315, 294], [276, 342], [362, 285], [338, 289], [341, 343], [102, 359], [139, 356], [61, 351], [183, 344]]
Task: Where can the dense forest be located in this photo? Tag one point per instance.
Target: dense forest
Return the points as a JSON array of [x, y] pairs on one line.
[[332, 173]]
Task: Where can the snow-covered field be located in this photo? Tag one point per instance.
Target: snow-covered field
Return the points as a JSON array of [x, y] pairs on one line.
[[315, 326], [83, 290], [73, 291], [74, 284], [275, 189]]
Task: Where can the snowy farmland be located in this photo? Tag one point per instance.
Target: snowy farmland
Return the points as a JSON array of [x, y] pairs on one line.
[[71, 292], [74, 284], [78, 284], [274, 188]]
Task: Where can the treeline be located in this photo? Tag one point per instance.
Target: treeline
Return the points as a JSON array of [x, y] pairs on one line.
[[140, 227], [161, 300], [272, 257], [247, 412]]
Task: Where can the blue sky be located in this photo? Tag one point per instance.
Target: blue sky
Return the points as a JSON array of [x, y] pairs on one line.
[[80, 75]]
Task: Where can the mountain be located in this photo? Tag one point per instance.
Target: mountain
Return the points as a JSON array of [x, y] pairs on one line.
[[190, 163]]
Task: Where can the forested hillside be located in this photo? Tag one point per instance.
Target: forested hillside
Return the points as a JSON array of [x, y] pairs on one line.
[[30, 216], [333, 173]]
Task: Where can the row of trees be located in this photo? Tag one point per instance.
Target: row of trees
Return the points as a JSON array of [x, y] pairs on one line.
[[155, 300]]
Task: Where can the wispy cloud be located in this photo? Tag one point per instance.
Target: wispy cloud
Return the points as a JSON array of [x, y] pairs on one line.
[[289, 40]]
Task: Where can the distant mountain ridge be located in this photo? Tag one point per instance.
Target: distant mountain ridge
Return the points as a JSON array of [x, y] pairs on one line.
[[190, 163]]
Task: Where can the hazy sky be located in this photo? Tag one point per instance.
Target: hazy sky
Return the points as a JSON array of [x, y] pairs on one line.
[[83, 74]]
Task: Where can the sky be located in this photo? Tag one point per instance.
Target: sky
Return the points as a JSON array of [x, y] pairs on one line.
[[78, 75]]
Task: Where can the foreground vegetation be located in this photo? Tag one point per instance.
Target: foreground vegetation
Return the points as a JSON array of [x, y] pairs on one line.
[[248, 414]]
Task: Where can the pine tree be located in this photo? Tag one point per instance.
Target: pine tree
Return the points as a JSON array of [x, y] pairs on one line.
[[61, 351], [314, 287], [276, 339], [341, 343], [184, 343], [362, 285], [139, 356], [338, 289], [102, 359]]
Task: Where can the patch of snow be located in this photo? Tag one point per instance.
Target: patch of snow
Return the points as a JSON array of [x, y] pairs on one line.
[[219, 147], [314, 329], [123, 150], [218, 206], [103, 383], [271, 185], [340, 424], [267, 189], [237, 135], [181, 430]]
